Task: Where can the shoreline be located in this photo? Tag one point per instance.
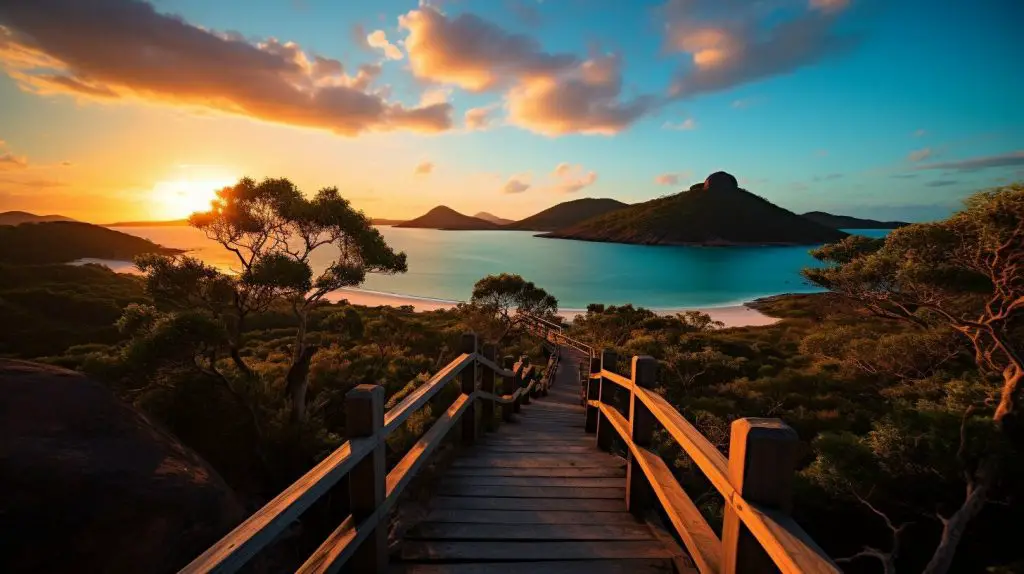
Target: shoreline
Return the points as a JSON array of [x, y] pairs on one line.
[[738, 315]]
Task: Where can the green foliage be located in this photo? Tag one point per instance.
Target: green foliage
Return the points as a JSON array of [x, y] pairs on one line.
[[66, 241], [498, 301]]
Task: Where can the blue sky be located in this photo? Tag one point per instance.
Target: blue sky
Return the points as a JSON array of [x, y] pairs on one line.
[[864, 107]]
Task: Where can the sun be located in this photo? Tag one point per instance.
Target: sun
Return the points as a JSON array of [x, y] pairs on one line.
[[179, 199]]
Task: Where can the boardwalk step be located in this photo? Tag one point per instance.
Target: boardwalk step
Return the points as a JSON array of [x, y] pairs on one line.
[[585, 504], [625, 566], [541, 449], [509, 460], [538, 482], [548, 532], [562, 471], [449, 489], [526, 517], [438, 550]]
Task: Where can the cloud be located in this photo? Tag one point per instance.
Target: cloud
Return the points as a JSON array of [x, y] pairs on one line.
[[2, 143], [744, 102], [471, 52], [515, 185], [821, 153], [920, 133], [572, 178], [685, 125], [586, 99], [433, 96], [479, 118], [358, 35], [667, 179], [37, 183], [1003, 160], [942, 182], [525, 12], [66, 164], [904, 175], [829, 177], [379, 40], [424, 168], [125, 49], [734, 42], [920, 155], [11, 162]]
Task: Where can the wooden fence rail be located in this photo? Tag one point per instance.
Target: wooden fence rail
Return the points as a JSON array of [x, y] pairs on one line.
[[361, 539], [755, 481]]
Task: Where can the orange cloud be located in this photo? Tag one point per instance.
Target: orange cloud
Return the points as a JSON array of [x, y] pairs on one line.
[[471, 52], [119, 49], [515, 185], [424, 168], [571, 178], [11, 162], [586, 99], [379, 40], [478, 118], [920, 155], [667, 179]]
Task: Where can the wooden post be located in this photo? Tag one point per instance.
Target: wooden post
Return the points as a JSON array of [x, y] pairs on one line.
[[605, 394], [639, 495], [490, 351], [517, 383], [367, 482], [508, 386], [593, 388], [468, 378], [762, 457], [525, 375]]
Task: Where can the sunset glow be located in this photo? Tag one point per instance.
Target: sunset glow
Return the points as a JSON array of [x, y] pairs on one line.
[[179, 199]]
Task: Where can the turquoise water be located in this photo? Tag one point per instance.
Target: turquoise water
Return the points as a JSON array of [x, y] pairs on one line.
[[445, 264]]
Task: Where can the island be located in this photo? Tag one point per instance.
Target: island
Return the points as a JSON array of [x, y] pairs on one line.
[[447, 219], [67, 241], [715, 213], [19, 217], [568, 214], [848, 222]]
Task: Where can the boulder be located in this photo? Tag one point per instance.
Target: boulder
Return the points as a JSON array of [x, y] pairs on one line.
[[91, 485], [721, 181]]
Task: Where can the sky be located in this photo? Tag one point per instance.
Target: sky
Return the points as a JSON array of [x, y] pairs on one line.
[[128, 110]]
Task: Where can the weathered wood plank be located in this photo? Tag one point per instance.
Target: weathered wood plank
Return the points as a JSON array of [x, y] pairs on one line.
[[462, 531], [531, 492], [549, 461], [564, 471], [538, 482], [470, 516], [524, 551], [416, 399], [620, 566], [540, 449], [472, 503]]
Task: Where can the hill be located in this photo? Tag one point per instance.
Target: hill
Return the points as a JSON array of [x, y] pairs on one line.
[[19, 217], [847, 222], [382, 221], [444, 217], [493, 218], [716, 213], [568, 214], [167, 223], [66, 241]]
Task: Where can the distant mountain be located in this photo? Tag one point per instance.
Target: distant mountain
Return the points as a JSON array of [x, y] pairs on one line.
[[443, 217], [19, 217], [715, 213], [167, 223], [847, 222], [66, 241], [567, 214], [493, 218], [382, 221]]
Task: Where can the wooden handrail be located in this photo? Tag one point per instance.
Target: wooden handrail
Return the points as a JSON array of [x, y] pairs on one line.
[[754, 482], [236, 548]]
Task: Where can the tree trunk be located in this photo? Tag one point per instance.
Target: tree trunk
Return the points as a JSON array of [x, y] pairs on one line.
[[237, 359], [298, 382], [953, 529], [1012, 376]]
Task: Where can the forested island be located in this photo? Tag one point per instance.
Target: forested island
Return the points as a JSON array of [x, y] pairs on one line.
[[902, 380]]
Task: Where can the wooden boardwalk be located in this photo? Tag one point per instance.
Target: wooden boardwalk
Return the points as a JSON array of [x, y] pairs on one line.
[[537, 496]]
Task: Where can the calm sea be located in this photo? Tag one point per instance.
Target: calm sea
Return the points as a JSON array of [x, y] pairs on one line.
[[445, 264]]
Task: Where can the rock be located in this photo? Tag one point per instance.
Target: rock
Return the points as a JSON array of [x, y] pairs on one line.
[[91, 485], [721, 181]]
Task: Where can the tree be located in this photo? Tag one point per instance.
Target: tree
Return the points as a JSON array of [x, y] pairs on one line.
[[966, 272], [273, 230], [507, 297]]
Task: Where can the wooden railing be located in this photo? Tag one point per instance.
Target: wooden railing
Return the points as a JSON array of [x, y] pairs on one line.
[[361, 539], [756, 480]]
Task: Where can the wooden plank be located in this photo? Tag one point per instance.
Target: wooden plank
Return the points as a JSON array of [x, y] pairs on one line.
[[462, 531], [564, 471], [416, 399], [471, 503], [238, 546], [525, 551], [541, 449], [620, 566], [548, 461], [531, 491], [539, 482], [470, 516], [619, 380], [501, 372]]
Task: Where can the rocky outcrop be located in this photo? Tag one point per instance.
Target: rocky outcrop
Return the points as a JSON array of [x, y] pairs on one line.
[[721, 181], [91, 485]]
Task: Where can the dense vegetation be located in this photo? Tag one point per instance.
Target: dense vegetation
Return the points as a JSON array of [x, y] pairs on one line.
[[847, 222], [444, 217], [900, 394], [698, 216], [65, 241], [567, 214]]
